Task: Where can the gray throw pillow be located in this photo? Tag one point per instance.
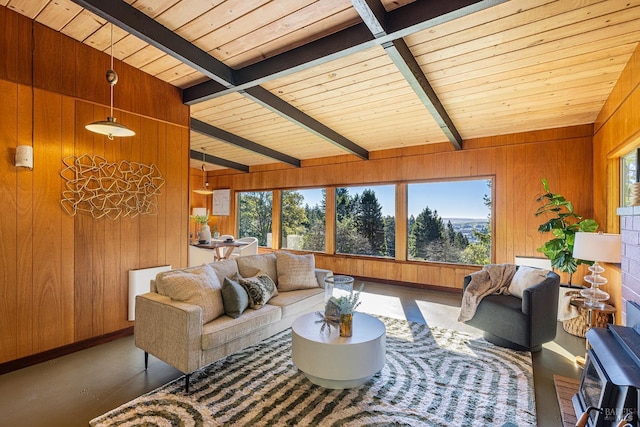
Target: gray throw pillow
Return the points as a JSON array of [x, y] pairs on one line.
[[234, 297]]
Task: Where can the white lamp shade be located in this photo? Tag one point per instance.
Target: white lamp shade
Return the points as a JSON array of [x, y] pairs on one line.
[[200, 212], [601, 247], [110, 128]]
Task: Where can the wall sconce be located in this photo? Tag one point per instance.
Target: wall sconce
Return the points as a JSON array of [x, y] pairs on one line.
[[24, 156]]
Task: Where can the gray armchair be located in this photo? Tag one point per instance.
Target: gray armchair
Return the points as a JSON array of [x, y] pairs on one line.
[[521, 324]]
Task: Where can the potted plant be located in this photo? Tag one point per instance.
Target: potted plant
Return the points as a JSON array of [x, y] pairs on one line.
[[563, 225], [204, 235], [339, 311]]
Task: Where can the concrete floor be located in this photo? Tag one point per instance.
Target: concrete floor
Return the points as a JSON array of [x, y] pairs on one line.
[[73, 389]]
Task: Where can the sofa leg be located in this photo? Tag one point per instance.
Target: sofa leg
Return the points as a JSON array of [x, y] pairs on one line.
[[146, 360], [186, 383]]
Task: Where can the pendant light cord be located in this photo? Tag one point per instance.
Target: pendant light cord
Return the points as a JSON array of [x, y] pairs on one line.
[[111, 85]]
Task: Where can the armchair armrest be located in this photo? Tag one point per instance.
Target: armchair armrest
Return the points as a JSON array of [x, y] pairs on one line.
[[540, 303], [170, 330]]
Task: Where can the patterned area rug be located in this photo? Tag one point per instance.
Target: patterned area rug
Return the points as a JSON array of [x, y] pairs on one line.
[[433, 377]]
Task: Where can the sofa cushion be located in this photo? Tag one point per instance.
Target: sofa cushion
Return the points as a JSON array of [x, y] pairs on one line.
[[260, 289], [249, 266], [524, 278], [296, 271], [195, 285], [224, 329], [294, 303], [234, 297], [225, 268]]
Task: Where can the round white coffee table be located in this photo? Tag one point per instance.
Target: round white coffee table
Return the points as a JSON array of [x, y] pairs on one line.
[[336, 362]]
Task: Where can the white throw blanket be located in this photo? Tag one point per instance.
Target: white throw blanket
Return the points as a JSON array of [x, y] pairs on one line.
[[492, 279]]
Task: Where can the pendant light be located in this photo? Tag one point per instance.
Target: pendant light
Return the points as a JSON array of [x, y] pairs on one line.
[[205, 182], [110, 127]]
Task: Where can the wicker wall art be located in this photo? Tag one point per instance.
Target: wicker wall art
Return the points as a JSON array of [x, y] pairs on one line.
[[99, 188]]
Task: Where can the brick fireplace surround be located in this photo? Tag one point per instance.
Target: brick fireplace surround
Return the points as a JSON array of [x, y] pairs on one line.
[[630, 230]]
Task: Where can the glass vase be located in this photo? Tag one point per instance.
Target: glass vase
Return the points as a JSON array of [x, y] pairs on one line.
[[346, 325]]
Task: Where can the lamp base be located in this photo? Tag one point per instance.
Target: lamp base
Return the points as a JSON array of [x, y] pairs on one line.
[[594, 297]]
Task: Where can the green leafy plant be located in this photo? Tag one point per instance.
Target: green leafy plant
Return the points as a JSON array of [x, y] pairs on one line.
[[200, 219], [563, 225]]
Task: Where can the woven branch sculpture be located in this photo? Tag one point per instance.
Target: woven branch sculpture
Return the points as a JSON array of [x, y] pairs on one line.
[[100, 188]]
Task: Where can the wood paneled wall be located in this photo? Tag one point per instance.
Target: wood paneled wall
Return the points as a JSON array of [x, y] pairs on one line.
[[517, 164], [617, 132], [65, 279]]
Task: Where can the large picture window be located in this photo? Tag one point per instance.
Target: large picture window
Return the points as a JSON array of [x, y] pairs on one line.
[[303, 219], [450, 221], [254, 215], [365, 220]]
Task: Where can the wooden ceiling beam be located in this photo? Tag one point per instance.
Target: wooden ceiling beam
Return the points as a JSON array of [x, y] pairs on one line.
[[401, 56], [268, 100], [405, 20], [137, 23], [230, 138], [140, 25], [374, 16], [208, 158]]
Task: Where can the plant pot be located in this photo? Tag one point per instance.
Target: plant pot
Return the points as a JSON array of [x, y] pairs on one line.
[[346, 325]]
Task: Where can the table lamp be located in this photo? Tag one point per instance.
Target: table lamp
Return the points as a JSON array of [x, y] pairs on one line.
[[597, 247]]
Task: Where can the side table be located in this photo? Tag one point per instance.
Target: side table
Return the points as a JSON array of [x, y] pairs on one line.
[[592, 312]]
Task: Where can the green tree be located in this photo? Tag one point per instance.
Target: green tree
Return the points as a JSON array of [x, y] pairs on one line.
[[369, 222], [390, 234], [314, 237], [254, 212], [294, 217], [479, 252], [426, 236], [348, 240]]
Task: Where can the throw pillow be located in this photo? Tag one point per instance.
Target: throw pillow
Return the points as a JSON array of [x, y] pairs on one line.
[[234, 297], [249, 266], [524, 278], [296, 271], [196, 285], [260, 289]]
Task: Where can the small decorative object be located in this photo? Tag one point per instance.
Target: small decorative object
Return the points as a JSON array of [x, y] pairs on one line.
[[339, 312], [337, 286], [204, 235], [346, 325]]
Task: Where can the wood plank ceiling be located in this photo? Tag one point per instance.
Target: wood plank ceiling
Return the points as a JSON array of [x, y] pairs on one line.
[[286, 81]]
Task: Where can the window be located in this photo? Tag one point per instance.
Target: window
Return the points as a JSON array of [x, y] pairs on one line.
[[365, 220], [450, 221], [254, 215], [303, 219], [628, 176]]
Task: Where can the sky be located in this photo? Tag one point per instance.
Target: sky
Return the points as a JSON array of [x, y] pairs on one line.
[[452, 199]]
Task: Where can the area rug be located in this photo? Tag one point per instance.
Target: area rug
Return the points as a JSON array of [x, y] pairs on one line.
[[432, 377]]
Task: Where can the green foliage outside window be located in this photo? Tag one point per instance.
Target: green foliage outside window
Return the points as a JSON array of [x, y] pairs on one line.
[[254, 215], [452, 240], [303, 225], [361, 229]]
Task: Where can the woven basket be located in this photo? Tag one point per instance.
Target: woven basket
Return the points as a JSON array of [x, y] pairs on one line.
[[579, 326]]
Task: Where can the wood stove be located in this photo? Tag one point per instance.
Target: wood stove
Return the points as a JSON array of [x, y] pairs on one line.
[[609, 388]]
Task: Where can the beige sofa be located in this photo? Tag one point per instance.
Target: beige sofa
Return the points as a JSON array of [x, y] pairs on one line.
[[181, 323]]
